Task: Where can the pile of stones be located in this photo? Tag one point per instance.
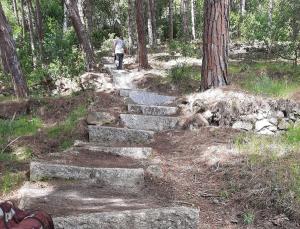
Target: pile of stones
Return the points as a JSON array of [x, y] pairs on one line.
[[244, 112]]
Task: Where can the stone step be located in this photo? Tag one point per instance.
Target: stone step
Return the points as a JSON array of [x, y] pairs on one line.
[[131, 152], [116, 178], [109, 136], [148, 98], [152, 110], [75, 205], [153, 218], [146, 122]]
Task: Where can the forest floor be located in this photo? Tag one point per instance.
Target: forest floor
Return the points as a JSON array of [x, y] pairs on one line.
[[202, 168]]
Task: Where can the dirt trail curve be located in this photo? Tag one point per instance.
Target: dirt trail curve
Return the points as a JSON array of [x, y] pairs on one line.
[[104, 183]]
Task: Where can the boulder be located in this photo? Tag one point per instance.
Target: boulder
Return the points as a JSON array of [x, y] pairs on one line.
[[261, 124], [239, 125], [283, 125]]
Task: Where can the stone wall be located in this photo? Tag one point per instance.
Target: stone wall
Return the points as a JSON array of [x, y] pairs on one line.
[[244, 111]]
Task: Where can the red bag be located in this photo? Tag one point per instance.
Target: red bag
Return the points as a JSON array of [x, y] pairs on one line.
[[12, 217]]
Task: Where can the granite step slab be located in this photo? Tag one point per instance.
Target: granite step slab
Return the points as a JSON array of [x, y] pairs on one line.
[[152, 110], [147, 122], [131, 152], [112, 136], [116, 178]]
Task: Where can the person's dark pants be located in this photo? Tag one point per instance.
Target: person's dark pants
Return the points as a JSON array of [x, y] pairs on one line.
[[120, 58]]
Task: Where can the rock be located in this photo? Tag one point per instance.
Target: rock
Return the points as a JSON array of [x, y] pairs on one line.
[[150, 98], [155, 171], [110, 177], [108, 136], [272, 128], [147, 122], [198, 106], [153, 218], [242, 126], [100, 118], [273, 121], [259, 125], [132, 152], [297, 123], [152, 110], [279, 114], [292, 117], [207, 115], [266, 132], [200, 120], [283, 125], [249, 118]]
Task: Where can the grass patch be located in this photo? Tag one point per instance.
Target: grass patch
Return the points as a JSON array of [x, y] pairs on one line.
[[266, 78], [69, 124], [12, 129], [9, 181], [186, 77], [269, 177]]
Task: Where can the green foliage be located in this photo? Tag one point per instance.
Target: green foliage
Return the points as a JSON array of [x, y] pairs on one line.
[[292, 136], [248, 217], [69, 125], [186, 49], [12, 129], [10, 180]]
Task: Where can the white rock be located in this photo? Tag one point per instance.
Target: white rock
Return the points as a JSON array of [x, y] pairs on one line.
[[266, 132], [242, 126], [274, 121], [279, 114], [283, 125], [207, 115], [259, 125]]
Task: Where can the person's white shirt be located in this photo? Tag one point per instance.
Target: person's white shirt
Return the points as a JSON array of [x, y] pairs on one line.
[[119, 46]]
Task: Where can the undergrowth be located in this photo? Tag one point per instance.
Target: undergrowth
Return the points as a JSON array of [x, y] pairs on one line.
[[269, 177], [266, 78]]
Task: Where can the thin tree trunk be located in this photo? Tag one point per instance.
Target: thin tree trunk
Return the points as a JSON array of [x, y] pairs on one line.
[[150, 29], [215, 44], [39, 28], [8, 52], [243, 8], [16, 11], [31, 32], [142, 50], [89, 16], [193, 19], [185, 24], [171, 26], [65, 21], [80, 10], [23, 20], [153, 20], [271, 6], [82, 35], [131, 26]]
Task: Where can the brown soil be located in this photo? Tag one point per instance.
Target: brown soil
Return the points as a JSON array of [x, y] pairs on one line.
[[87, 158], [197, 182]]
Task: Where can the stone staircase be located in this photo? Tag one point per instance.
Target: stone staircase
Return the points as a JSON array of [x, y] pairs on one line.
[[101, 183]]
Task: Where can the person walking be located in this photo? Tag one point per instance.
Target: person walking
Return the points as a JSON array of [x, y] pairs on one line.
[[119, 51]]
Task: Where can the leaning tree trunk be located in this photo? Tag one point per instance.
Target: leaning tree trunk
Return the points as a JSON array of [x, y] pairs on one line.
[[9, 56], [215, 44], [82, 35], [193, 19], [39, 29], [142, 50], [89, 16], [171, 26]]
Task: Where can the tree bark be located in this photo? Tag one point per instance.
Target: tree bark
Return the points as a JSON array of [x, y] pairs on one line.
[[131, 26], [89, 16], [171, 26], [65, 20], [215, 44], [31, 32], [39, 28], [142, 50], [9, 56], [242, 8], [153, 20], [185, 19], [82, 35], [193, 19], [271, 6], [150, 29], [23, 19], [16, 11]]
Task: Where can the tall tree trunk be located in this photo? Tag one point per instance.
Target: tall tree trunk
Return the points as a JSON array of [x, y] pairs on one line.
[[185, 19], [89, 16], [31, 32], [23, 20], [80, 10], [39, 29], [242, 8], [271, 6], [150, 29], [153, 20], [171, 26], [215, 44], [193, 19], [65, 20], [142, 50], [8, 52], [82, 35], [16, 11]]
